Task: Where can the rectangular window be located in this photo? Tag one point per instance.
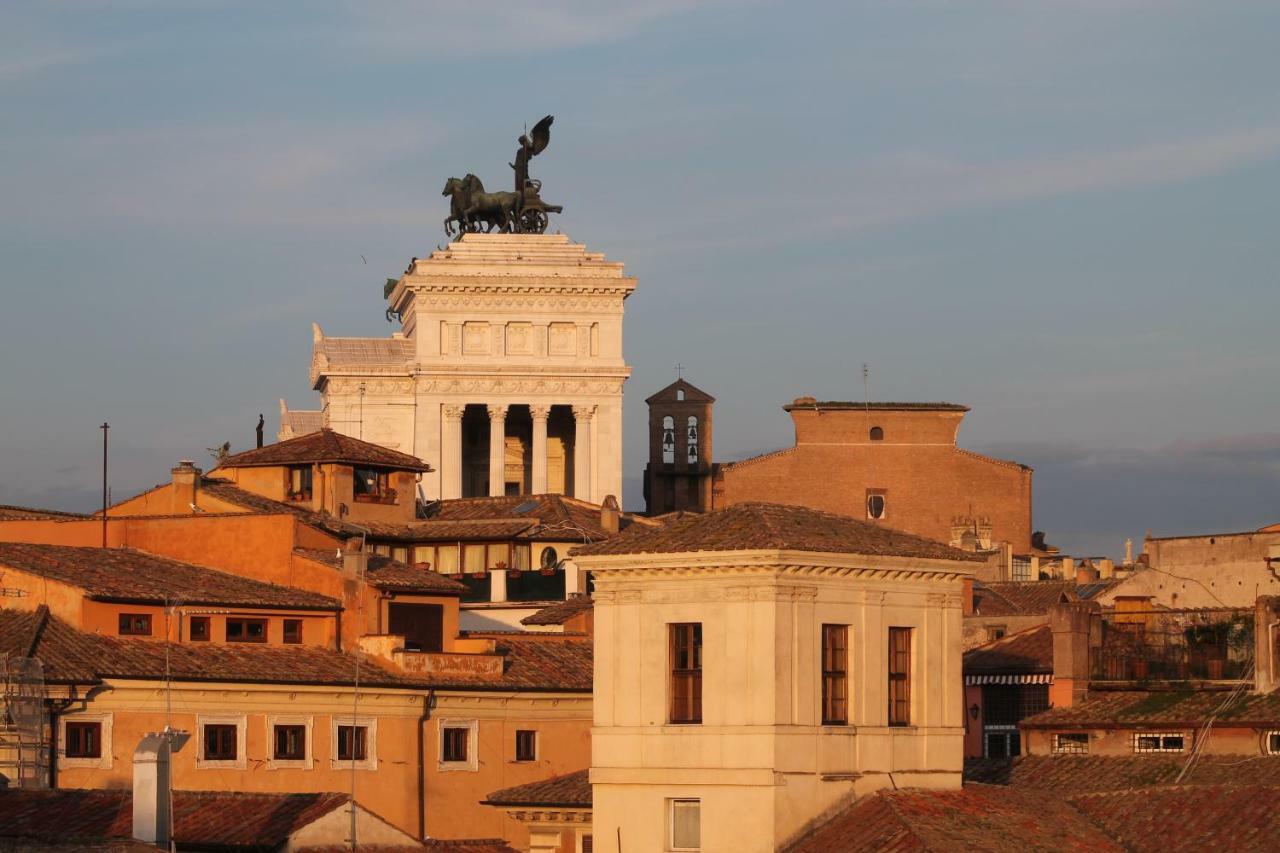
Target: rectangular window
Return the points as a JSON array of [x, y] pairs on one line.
[[135, 625], [1159, 742], [876, 503], [899, 676], [453, 744], [1071, 743], [353, 743], [219, 742], [686, 672], [83, 740], [447, 560], [520, 556], [293, 630], [685, 822], [835, 675], [473, 559], [995, 632], [1273, 743], [370, 484], [290, 743], [500, 556], [299, 483], [246, 630], [199, 629], [526, 745]]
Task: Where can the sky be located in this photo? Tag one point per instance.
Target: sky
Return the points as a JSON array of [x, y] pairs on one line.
[[1061, 214]]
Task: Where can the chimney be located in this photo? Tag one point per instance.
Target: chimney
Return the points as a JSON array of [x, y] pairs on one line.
[[1073, 626], [1106, 569], [1085, 572], [609, 513], [152, 818], [355, 560], [186, 485]]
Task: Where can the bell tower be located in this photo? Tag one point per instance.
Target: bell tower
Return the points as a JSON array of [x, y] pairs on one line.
[[679, 473]]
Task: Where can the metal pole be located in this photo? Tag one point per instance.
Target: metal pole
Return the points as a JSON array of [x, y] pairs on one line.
[[105, 426]]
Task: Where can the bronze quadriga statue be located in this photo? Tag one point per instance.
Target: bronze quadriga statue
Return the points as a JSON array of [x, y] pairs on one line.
[[471, 208]]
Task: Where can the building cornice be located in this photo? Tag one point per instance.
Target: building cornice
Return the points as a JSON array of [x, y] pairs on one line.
[[774, 562]]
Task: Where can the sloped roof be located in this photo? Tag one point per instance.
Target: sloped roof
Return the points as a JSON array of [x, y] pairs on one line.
[[366, 352], [387, 574], [1020, 598], [1022, 652], [692, 394], [761, 526], [572, 790], [1144, 709], [543, 662], [126, 575], [1191, 819], [325, 445], [557, 517], [1073, 774], [303, 421], [9, 512], [465, 845], [34, 633], [200, 818], [561, 611]]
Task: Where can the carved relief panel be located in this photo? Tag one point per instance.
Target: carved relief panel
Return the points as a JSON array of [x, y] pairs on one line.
[[520, 338], [475, 338], [562, 339]]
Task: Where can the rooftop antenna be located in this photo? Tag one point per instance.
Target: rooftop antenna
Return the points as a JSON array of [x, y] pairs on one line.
[[362, 411], [355, 692], [105, 426]]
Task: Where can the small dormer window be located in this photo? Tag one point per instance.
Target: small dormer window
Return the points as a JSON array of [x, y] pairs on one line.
[[299, 488], [371, 484], [877, 433], [680, 394]]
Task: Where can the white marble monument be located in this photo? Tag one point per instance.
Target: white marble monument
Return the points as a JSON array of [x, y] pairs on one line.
[[506, 376]]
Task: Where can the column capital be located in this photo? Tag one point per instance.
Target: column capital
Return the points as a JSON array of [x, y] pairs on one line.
[[583, 413], [453, 412], [539, 413], [496, 412]]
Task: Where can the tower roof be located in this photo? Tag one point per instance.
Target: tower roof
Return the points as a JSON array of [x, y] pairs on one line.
[[325, 445], [692, 394]]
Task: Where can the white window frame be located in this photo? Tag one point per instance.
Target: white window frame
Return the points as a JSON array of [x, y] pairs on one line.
[[370, 725], [884, 506], [671, 823], [241, 724], [1266, 742], [308, 759], [1186, 742], [1059, 750], [472, 764], [103, 762]]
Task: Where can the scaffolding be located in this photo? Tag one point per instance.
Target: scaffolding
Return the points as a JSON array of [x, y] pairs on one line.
[[24, 735]]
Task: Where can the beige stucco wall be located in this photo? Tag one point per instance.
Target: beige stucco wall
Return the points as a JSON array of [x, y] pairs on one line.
[[1223, 570], [761, 762]]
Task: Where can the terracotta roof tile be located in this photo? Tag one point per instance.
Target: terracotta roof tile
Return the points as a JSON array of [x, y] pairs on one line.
[[560, 612], [1073, 774], [325, 445], [752, 526], [1030, 598], [387, 574], [469, 845], [542, 662], [1191, 819], [1023, 652], [1137, 708], [66, 654], [122, 574], [557, 517], [569, 790], [9, 512]]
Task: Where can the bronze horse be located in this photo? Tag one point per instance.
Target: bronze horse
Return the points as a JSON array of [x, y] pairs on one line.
[[469, 205]]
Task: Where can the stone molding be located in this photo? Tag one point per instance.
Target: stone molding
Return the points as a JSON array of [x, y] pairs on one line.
[[551, 814], [769, 562], [388, 387], [519, 386], [584, 413]]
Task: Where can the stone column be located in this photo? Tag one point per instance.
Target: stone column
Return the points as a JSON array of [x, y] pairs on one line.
[[451, 453], [540, 415], [497, 451], [582, 454]]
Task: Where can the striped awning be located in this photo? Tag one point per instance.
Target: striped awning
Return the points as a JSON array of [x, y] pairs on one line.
[[1025, 678]]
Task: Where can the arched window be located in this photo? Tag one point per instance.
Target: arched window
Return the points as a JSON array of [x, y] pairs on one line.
[[549, 558], [875, 506], [693, 439], [877, 434], [679, 393], [668, 439]]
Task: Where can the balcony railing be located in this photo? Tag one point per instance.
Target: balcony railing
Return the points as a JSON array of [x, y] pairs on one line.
[[1175, 645]]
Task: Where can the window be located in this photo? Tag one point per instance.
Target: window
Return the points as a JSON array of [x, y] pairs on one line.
[[685, 824], [877, 434], [1001, 742], [353, 743], [692, 443], [453, 743], [520, 556], [899, 676], [835, 656], [875, 503], [1271, 743], [82, 740], [1073, 743], [447, 559], [1159, 742], [219, 742], [293, 630], [668, 439], [686, 672], [473, 559], [199, 629], [995, 632], [290, 743], [549, 559], [526, 745], [499, 556], [246, 630], [1020, 569], [372, 485], [135, 625], [299, 483]]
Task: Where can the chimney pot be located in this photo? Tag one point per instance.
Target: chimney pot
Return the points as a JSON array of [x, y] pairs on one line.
[[151, 791], [609, 514]]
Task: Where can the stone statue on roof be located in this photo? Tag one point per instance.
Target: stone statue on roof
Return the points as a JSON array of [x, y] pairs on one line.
[[521, 212]]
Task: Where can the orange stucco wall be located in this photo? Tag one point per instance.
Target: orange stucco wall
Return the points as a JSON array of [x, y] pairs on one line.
[[1222, 740]]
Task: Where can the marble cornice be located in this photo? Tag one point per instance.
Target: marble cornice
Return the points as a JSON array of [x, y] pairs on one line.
[[772, 562]]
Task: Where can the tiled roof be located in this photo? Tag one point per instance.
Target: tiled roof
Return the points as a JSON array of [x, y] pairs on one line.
[[752, 526], [1191, 819], [122, 574], [1020, 598], [670, 394], [810, 403], [453, 531], [200, 819], [560, 612], [569, 790], [388, 574], [366, 352], [558, 517], [325, 445], [8, 512], [978, 818], [550, 662], [1137, 708], [468, 845], [1074, 774], [1023, 652], [65, 656], [303, 422]]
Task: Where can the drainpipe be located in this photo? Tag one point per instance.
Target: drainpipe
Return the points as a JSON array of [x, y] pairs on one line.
[[427, 704]]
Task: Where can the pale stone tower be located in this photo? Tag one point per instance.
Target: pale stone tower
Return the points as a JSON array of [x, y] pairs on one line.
[[678, 476], [507, 373]]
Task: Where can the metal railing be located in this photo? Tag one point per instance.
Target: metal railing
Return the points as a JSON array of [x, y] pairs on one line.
[[1174, 645]]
